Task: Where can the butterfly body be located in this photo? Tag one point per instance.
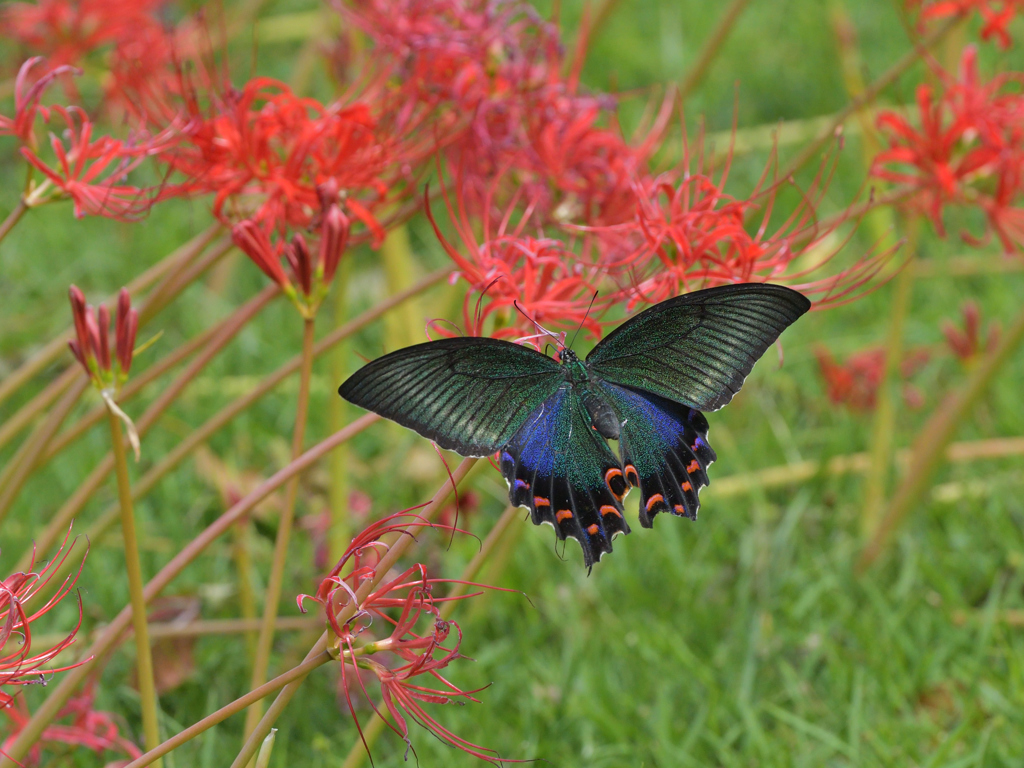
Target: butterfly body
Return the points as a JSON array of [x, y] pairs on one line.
[[645, 386]]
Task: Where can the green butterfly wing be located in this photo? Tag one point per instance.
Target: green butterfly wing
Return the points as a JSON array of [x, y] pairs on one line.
[[562, 470], [468, 394], [697, 349]]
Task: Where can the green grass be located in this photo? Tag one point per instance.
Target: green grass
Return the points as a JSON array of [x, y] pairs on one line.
[[744, 639]]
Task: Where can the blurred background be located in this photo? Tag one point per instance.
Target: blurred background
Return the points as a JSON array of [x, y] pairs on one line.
[[749, 637]]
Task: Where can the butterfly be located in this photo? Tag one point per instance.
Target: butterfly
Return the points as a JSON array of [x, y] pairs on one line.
[[644, 385]]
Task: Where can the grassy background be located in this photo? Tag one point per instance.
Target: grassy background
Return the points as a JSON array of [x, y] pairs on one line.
[[742, 639]]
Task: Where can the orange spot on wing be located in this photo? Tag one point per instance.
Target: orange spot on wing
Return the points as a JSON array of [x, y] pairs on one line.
[[608, 509], [540, 501], [693, 467], [592, 530], [687, 487], [609, 476], [563, 514], [654, 500], [631, 470], [679, 509]]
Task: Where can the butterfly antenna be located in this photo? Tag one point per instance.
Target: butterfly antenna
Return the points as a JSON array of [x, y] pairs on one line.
[[537, 325], [589, 307]]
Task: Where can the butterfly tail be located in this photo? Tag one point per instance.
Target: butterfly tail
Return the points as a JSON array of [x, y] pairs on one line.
[[591, 516]]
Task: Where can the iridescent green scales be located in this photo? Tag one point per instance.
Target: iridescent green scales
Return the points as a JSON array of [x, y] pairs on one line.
[[644, 385]]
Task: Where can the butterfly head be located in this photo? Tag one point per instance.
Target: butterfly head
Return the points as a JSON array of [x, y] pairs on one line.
[[567, 356]]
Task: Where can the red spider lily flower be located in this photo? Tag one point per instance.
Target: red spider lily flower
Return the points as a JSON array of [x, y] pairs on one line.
[[26, 101], [88, 728], [262, 151], [996, 14], [855, 383], [523, 280], [67, 32], [469, 53], [968, 150], [493, 73], [401, 602], [687, 232], [404, 699], [966, 343], [89, 170], [91, 346], [18, 665]]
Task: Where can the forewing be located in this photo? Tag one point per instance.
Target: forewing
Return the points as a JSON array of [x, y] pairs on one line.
[[563, 471], [697, 348], [664, 451], [468, 394]]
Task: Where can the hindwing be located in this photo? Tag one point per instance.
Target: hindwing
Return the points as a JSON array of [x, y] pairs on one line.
[[664, 451], [563, 471]]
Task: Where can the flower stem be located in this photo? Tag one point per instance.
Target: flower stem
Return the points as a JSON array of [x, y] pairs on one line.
[[144, 656], [13, 218], [338, 414], [396, 547], [883, 427], [246, 599], [712, 47], [404, 327], [235, 706], [110, 636], [20, 466], [284, 531], [931, 443]]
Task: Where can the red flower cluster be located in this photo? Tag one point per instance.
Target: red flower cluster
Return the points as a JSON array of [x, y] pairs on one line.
[[996, 15], [67, 32], [540, 276], [312, 277], [967, 151], [18, 666], [855, 383], [262, 151], [400, 602], [86, 169], [516, 127]]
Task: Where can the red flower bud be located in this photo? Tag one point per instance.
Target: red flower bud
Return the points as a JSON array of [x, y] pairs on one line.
[[126, 327], [103, 349], [255, 244], [76, 350], [81, 349], [328, 193], [334, 231], [297, 254]]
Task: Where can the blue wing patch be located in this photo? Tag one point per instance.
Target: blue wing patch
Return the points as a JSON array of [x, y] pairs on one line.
[[557, 466], [664, 451]]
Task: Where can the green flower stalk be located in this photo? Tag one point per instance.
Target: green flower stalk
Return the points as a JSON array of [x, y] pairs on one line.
[[108, 368], [307, 287]]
